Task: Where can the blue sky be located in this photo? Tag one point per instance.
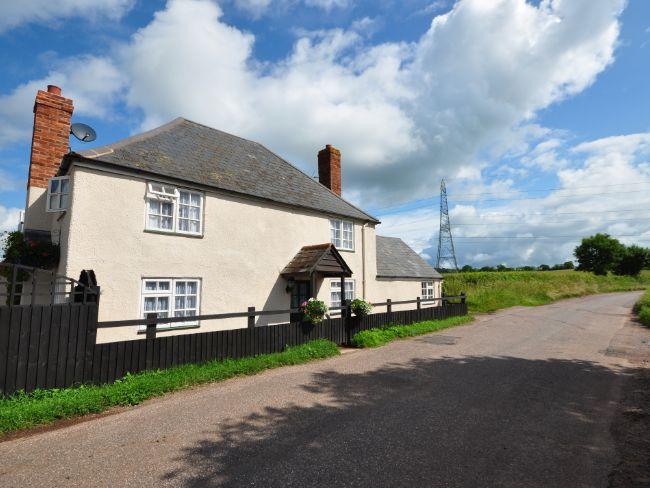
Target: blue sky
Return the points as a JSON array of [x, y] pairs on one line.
[[509, 100]]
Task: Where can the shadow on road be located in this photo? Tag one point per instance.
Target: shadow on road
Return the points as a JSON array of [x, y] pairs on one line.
[[475, 421]]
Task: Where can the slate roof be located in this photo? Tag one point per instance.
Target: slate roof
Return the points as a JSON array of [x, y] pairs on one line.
[[196, 153], [397, 260]]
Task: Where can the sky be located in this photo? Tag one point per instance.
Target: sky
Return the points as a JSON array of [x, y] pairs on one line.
[[535, 112]]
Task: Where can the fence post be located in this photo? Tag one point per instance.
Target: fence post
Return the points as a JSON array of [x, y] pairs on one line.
[[389, 310], [463, 296], [251, 317], [346, 316], [150, 338], [419, 309]]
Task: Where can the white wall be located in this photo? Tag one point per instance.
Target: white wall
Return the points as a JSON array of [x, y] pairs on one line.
[[239, 258], [244, 247]]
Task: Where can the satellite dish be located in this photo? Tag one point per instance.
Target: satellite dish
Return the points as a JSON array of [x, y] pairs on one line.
[[83, 132]]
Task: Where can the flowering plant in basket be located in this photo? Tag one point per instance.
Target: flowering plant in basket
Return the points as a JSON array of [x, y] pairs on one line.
[[360, 307], [314, 310]]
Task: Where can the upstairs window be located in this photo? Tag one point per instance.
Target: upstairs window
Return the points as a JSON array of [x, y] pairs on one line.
[[58, 194], [428, 290], [335, 291], [342, 234], [171, 209]]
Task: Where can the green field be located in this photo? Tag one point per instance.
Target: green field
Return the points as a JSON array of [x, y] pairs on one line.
[[490, 291]]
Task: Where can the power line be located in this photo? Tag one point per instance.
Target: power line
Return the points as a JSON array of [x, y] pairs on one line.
[[543, 237], [533, 190], [426, 219], [548, 189]]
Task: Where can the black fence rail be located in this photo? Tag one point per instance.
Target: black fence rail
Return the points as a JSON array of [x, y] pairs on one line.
[[47, 346]]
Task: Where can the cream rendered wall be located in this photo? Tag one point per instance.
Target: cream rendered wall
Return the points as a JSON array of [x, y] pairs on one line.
[[399, 290], [245, 246]]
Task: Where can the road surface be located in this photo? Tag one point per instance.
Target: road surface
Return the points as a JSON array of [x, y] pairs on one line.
[[522, 397]]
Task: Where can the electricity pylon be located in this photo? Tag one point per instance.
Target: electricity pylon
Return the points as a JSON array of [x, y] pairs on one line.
[[446, 251]]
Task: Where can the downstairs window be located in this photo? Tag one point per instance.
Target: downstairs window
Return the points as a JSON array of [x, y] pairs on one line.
[[171, 297]]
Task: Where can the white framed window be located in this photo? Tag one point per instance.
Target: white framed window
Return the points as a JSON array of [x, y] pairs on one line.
[[172, 209], [428, 290], [58, 194], [171, 297], [342, 234], [335, 291]]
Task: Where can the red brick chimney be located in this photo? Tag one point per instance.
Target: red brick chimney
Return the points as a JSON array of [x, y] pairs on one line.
[[51, 136], [329, 168]]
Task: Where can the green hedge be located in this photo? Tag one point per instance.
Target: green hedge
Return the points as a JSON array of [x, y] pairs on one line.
[[379, 337], [642, 308], [44, 406]]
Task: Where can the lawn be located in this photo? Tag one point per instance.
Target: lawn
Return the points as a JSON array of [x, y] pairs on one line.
[[21, 411], [490, 291]]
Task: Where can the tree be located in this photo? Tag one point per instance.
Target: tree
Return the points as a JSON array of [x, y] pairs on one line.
[[467, 269], [487, 268], [544, 267], [598, 254], [527, 268], [502, 267], [568, 265], [631, 261]]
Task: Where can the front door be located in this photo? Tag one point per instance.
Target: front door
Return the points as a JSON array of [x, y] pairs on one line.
[[301, 293]]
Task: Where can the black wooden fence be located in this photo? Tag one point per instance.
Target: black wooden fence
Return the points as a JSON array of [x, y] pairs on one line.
[[48, 346]]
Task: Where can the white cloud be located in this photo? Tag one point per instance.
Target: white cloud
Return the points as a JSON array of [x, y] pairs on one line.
[[402, 114], [14, 13], [9, 219], [607, 178], [94, 94]]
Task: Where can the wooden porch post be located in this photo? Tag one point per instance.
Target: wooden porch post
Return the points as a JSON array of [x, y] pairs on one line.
[[312, 285]]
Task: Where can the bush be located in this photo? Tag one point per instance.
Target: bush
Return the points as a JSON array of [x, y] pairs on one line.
[[642, 308], [631, 261], [360, 307], [37, 254], [598, 254]]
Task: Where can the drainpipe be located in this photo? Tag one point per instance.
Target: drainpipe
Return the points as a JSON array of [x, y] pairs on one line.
[[363, 260]]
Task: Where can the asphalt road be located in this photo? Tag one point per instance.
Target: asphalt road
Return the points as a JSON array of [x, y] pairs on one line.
[[524, 397]]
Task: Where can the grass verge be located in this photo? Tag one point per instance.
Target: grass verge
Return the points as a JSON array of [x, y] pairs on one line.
[[21, 410], [487, 292], [379, 337], [642, 308]]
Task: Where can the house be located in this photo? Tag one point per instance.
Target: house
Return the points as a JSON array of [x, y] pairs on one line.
[[186, 219]]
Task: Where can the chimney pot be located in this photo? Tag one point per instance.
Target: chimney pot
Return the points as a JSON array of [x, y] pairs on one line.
[[54, 89]]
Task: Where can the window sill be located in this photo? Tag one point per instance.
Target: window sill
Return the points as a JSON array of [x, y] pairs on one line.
[[345, 250], [171, 329], [168, 233]]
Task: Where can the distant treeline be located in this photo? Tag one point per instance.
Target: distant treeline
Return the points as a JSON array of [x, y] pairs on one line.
[[501, 267], [599, 254]]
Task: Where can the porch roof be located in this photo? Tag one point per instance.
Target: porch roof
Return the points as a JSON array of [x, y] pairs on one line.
[[320, 258]]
